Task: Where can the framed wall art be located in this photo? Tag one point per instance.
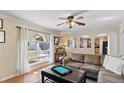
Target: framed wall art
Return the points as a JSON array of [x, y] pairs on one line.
[[56, 40], [2, 36], [70, 44], [1, 23]]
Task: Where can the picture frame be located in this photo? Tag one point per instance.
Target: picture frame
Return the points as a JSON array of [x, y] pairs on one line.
[[56, 40], [2, 36], [70, 44], [1, 23]]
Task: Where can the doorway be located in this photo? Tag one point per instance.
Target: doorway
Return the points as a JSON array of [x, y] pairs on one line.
[[105, 48], [101, 44]]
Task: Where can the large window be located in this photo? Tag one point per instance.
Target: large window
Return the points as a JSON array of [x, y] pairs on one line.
[[38, 48]]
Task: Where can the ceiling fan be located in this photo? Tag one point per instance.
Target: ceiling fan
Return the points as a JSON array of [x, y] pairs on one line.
[[72, 19]]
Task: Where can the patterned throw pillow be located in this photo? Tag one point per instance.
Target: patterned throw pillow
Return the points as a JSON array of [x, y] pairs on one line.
[[114, 64]]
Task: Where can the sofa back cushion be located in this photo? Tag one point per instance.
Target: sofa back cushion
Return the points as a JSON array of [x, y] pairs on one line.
[[77, 57], [92, 59]]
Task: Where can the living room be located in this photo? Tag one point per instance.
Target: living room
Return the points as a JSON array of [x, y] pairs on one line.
[[61, 46], [75, 40]]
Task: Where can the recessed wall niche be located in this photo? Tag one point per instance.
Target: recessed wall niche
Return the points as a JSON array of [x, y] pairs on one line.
[[85, 41]]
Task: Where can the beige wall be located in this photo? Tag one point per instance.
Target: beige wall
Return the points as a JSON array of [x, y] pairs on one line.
[[8, 50], [78, 49], [113, 34]]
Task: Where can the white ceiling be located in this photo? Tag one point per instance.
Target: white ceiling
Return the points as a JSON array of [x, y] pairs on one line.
[[49, 18]]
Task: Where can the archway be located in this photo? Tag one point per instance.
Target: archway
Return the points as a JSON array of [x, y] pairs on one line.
[[101, 44]]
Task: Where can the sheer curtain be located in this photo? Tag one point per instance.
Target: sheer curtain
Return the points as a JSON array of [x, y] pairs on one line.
[[22, 63]]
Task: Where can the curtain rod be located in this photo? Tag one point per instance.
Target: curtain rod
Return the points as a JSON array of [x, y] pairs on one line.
[[33, 30]]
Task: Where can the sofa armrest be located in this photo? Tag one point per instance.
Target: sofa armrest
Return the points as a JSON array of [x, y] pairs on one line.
[[66, 60]]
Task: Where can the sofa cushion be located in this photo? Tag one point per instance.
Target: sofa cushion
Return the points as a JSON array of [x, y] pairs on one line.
[[109, 77], [77, 57], [92, 59], [90, 68], [74, 64]]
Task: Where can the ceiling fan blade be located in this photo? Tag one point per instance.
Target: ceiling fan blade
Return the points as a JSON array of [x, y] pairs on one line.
[[80, 23], [62, 18], [80, 17], [78, 12], [60, 24]]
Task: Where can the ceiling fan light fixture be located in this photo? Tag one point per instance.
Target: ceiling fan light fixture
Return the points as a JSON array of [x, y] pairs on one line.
[[70, 21], [70, 26]]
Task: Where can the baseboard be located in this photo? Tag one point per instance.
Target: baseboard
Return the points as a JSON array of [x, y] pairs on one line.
[[8, 77]]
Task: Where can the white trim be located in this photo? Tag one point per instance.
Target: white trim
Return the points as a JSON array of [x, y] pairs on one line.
[[8, 77]]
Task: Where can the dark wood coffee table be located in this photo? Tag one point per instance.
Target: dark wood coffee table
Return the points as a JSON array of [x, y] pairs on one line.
[[77, 76]]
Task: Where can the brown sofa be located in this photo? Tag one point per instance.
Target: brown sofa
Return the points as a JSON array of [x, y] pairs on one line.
[[93, 66]]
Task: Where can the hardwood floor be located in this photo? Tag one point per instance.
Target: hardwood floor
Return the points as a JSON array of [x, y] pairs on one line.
[[31, 77]]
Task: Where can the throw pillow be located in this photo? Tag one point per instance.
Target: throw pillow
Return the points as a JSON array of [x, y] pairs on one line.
[[114, 64]]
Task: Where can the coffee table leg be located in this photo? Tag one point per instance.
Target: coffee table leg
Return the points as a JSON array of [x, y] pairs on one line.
[[85, 78], [42, 77]]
